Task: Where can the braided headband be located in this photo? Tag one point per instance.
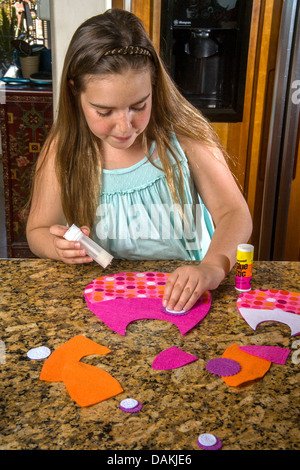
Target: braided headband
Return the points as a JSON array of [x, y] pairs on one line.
[[129, 50]]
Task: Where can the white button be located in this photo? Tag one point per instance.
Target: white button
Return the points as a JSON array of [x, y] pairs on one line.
[[129, 403], [207, 440], [39, 353], [175, 311]]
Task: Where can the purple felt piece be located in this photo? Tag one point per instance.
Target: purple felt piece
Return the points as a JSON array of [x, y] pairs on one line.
[[270, 353], [118, 313], [217, 446], [223, 367], [136, 409], [172, 358]]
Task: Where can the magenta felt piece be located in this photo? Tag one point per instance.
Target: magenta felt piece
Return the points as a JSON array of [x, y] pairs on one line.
[[270, 353], [118, 313], [172, 358]]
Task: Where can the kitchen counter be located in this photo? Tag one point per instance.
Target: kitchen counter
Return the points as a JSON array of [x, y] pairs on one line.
[[42, 304]]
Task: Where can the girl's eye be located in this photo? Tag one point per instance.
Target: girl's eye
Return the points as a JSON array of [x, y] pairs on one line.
[[108, 113], [140, 109], [104, 114]]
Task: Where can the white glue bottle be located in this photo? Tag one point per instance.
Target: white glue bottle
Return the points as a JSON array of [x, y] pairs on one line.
[[93, 250]]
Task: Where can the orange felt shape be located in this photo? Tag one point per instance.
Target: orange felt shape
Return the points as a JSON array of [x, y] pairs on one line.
[[74, 349], [252, 367], [87, 384]]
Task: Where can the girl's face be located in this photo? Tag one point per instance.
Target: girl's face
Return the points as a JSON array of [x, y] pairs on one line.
[[117, 107]]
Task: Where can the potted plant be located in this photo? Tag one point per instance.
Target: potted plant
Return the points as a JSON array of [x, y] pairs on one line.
[[8, 31], [28, 55]]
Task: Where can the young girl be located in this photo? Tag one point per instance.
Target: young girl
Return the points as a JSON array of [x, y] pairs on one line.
[[136, 166]]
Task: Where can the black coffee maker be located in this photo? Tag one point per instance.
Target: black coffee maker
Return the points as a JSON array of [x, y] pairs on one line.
[[205, 45]]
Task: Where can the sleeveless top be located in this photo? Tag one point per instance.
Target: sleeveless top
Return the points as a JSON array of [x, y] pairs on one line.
[[137, 219]]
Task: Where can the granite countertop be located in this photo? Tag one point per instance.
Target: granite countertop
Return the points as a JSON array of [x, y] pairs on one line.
[[42, 304]]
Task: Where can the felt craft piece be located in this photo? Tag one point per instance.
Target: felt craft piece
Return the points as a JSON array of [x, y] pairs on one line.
[[122, 298], [41, 352], [209, 442], [252, 367], [172, 358], [74, 349], [281, 306], [174, 312], [88, 385], [130, 405], [270, 353], [223, 366]]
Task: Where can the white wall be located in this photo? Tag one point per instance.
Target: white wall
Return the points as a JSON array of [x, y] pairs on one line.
[[65, 17]]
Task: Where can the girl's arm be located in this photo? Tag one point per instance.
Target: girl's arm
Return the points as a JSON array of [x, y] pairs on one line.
[[46, 224], [232, 220]]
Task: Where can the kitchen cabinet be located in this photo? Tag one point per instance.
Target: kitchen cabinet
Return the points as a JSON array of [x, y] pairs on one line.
[[25, 120]]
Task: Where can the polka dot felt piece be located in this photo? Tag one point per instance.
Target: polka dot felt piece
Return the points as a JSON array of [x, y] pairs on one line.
[[122, 298], [260, 306], [126, 286]]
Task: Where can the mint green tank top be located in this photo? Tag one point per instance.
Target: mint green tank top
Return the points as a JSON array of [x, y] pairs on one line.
[[137, 219]]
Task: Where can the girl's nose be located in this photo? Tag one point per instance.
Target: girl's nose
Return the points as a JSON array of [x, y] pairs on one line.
[[123, 123]]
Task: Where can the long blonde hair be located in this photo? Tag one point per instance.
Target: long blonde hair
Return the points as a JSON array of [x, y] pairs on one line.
[[78, 155]]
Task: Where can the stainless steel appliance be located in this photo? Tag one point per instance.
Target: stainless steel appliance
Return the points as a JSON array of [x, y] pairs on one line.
[[205, 46], [283, 139]]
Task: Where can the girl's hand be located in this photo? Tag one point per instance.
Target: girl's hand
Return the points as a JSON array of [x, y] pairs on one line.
[[70, 252], [187, 283]]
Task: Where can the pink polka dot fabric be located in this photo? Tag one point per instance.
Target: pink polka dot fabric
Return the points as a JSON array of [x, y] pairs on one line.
[[126, 285], [270, 299]]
